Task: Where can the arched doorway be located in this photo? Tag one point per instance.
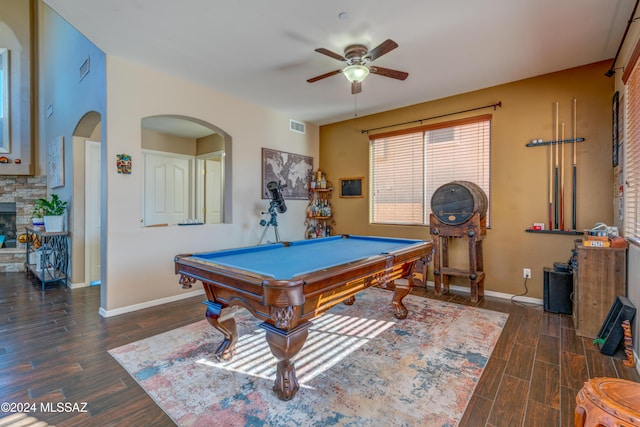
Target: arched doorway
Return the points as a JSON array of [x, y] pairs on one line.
[[85, 219]]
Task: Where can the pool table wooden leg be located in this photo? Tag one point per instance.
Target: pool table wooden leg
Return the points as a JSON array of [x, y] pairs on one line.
[[350, 301], [284, 346], [401, 291], [222, 319]]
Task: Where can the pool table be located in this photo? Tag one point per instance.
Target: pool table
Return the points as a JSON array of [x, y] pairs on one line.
[[287, 284]]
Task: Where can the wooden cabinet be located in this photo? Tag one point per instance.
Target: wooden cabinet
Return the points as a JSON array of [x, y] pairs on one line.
[[599, 275]]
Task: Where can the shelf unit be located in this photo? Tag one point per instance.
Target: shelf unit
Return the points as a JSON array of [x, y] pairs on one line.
[[47, 255], [319, 219], [537, 143]]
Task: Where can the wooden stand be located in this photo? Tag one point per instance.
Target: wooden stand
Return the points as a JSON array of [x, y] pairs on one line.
[[475, 229]]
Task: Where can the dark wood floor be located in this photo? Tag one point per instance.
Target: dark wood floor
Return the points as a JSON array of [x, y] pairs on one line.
[[53, 348]]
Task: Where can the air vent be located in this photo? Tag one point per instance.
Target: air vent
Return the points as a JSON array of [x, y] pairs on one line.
[[295, 126], [84, 68]]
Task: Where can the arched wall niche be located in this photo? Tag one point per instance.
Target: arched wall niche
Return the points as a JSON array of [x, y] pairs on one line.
[[195, 157]]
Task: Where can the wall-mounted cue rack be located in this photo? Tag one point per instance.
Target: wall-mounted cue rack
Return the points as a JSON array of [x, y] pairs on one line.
[[564, 141], [562, 232], [553, 192]]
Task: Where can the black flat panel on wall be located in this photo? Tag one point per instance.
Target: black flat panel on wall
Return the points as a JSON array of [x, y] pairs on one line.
[[558, 287]]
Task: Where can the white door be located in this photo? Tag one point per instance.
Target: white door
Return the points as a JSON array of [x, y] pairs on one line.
[[92, 213], [213, 190], [166, 189]]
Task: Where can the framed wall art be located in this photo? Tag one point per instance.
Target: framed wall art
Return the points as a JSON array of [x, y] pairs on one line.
[[123, 164], [55, 166], [292, 171]]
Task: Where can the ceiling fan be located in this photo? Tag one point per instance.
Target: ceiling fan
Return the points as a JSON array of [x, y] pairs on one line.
[[357, 57]]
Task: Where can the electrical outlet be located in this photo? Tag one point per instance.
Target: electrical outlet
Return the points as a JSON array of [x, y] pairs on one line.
[[526, 273]]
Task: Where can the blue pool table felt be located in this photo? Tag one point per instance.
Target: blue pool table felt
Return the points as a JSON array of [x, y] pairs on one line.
[[282, 262]]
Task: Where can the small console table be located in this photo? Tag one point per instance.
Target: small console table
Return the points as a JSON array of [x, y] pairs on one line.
[[47, 256]]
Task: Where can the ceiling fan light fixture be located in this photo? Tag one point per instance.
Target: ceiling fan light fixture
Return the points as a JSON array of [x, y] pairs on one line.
[[355, 73]]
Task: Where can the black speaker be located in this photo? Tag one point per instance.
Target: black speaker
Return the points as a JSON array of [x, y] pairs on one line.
[[558, 287]]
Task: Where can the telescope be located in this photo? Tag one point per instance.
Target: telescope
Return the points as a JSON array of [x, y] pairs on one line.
[[275, 194], [277, 205]]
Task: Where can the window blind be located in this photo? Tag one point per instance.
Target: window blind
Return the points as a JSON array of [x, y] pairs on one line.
[[632, 157], [407, 167]]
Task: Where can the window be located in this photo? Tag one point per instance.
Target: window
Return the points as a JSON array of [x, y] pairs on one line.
[[407, 167], [4, 101], [632, 156]]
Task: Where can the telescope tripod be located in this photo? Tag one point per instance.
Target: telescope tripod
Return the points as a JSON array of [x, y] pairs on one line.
[[273, 221]]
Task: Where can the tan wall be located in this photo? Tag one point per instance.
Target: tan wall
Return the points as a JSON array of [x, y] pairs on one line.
[[520, 174], [209, 144], [158, 141]]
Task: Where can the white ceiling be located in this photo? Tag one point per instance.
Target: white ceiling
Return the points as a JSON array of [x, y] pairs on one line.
[[263, 50]]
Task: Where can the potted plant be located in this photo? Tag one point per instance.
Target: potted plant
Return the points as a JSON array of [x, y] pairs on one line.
[[53, 212], [37, 216]]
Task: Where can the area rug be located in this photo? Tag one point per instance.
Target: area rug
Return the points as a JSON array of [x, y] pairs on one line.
[[359, 367]]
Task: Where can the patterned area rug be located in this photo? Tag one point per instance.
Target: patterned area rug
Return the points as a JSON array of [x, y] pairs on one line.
[[359, 367]]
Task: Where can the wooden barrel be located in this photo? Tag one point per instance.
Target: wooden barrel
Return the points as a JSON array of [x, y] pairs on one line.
[[456, 202]]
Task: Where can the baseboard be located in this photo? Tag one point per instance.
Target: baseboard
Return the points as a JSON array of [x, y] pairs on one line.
[[501, 295], [77, 285], [148, 304]]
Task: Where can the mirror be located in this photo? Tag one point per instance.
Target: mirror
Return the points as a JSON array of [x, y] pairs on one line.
[[5, 146], [186, 169]]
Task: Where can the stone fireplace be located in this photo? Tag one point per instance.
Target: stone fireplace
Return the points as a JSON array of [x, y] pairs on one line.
[[8, 235], [19, 194]]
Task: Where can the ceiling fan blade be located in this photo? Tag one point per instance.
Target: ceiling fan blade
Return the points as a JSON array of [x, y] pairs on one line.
[[331, 54], [384, 47], [387, 72], [324, 76], [356, 87]]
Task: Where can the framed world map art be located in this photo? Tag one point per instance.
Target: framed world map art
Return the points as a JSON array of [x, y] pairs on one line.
[[292, 171]]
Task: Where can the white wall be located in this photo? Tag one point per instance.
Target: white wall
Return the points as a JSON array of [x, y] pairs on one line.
[[139, 261]]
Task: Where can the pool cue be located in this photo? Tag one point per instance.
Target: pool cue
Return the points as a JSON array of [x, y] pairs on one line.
[[555, 185], [550, 187], [562, 182], [575, 166], [551, 223]]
